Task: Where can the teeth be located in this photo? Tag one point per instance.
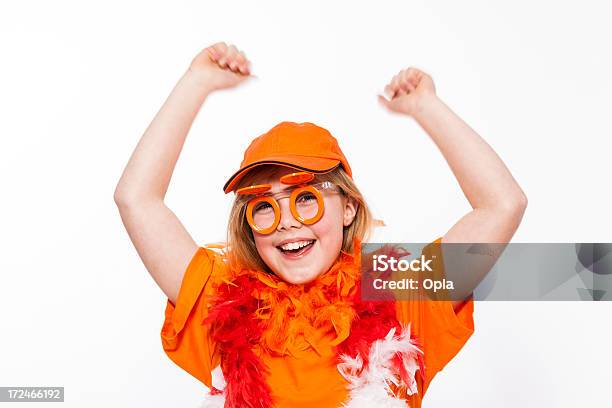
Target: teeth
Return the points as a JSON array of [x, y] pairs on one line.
[[295, 245]]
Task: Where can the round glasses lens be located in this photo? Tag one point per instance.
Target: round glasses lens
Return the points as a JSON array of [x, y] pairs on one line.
[[263, 215], [307, 205]]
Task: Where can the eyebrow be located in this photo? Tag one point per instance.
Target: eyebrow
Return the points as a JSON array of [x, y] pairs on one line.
[[288, 188], [293, 187]]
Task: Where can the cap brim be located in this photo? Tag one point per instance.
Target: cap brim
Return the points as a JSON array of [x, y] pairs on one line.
[[300, 163]]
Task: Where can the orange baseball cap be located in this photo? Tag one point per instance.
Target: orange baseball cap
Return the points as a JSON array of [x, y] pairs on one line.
[[302, 146]]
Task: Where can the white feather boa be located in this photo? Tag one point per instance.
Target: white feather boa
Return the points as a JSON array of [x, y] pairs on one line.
[[370, 387], [218, 381]]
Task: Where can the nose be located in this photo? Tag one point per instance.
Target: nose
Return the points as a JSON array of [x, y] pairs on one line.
[[286, 218]]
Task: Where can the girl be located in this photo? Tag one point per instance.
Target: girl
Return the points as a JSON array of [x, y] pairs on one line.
[[278, 310]]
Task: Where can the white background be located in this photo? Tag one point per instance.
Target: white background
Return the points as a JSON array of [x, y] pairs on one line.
[[80, 82]]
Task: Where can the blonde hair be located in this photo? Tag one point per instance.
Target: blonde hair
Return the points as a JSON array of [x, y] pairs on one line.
[[241, 244]]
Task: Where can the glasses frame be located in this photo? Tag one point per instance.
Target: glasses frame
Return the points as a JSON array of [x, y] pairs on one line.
[[300, 180]]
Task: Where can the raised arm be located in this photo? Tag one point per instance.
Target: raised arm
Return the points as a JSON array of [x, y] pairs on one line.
[[161, 240], [497, 200]]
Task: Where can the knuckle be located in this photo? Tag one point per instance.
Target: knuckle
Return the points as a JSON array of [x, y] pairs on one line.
[[219, 49]]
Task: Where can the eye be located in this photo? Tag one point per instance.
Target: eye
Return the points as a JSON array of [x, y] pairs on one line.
[[262, 207], [306, 198]]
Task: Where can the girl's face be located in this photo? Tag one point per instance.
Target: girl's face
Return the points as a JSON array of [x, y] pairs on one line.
[[325, 235]]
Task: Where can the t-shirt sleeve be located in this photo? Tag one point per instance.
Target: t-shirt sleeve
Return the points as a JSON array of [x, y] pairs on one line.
[[185, 339], [440, 330]]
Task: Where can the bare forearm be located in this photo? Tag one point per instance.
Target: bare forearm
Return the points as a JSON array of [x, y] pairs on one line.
[[149, 170], [160, 238], [483, 177]]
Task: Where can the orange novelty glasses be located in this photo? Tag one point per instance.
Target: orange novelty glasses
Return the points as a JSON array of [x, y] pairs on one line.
[[305, 201]]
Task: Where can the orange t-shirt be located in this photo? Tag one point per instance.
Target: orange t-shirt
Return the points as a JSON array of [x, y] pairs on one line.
[[312, 379]]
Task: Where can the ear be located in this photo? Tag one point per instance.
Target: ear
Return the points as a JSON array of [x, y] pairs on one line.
[[350, 210]]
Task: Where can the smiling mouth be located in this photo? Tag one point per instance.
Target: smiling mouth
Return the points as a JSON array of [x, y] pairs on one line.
[[298, 251]]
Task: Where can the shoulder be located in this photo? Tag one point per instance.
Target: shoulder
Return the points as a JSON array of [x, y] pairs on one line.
[[215, 250], [207, 267], [218, 261]]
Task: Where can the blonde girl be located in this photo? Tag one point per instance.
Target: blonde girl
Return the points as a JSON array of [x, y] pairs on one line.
[[276, 312]]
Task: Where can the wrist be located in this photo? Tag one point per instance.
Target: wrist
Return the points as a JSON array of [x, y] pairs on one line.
[[199, 80], [425, 105]]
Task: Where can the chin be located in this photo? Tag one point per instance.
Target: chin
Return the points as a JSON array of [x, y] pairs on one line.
[[300, 279]]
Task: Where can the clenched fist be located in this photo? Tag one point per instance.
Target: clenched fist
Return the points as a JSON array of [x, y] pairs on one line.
[[221, 66], [408, 91]]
